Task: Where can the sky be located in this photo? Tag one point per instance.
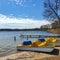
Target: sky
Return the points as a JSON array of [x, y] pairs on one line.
[[22, 14]]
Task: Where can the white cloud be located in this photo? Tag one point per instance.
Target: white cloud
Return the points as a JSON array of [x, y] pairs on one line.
[[9, 22], [18, 2], [22, 2]]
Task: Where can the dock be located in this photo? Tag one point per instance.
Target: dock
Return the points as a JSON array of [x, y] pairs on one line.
[[39, 36]]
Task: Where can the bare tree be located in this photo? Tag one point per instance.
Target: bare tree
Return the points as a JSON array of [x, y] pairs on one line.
[[52, 10]]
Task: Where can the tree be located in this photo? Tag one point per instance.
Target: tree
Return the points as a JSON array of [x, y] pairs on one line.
[[52, 10]]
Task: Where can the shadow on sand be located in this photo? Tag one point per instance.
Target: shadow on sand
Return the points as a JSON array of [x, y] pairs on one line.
[[54, 52]]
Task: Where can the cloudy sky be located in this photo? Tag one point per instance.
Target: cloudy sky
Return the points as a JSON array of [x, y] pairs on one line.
[[21, 14]]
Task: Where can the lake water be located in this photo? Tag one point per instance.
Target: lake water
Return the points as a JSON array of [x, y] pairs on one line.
[[7, 42]]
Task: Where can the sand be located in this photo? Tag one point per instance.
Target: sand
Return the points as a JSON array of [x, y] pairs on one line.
[[28, 55]]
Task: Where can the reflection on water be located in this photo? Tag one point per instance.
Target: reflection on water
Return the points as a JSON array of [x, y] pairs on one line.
[[7, 38]]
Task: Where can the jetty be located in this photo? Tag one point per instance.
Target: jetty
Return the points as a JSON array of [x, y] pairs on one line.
[[39, 36]]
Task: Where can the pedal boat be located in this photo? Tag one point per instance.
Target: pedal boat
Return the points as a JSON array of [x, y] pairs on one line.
[[44, 46]]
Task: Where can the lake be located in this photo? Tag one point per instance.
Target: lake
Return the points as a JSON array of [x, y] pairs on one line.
[[7, 42]]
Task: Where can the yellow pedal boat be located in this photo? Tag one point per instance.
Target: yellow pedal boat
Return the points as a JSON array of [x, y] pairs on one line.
[[39, 45]]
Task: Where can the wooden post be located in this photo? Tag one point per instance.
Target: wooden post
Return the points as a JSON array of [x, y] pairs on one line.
[[27, 37], [14, 38]]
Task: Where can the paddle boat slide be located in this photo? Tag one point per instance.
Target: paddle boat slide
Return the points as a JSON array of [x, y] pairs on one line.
[[40, 45]]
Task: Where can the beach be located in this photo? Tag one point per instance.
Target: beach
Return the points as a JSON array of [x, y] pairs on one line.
[[8, 48], [28, 55]]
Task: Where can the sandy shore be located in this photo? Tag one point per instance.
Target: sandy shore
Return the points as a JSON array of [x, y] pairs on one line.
[[55, 31], [28, 55]]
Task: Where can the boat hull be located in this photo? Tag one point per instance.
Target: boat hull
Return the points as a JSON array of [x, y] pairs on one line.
[[35, 49]]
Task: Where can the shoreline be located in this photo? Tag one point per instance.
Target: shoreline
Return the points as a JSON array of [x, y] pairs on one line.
[[3, 54], [28, 55], [24, 55], [54, 31]]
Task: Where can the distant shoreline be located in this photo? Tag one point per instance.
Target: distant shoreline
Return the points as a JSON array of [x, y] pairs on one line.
[[21, 30], [54, 31]]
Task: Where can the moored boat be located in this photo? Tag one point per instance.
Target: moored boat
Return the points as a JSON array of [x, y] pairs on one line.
[[39, 45], [34, 49]]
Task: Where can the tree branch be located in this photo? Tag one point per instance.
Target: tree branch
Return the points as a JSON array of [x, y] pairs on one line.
[[53, 10]]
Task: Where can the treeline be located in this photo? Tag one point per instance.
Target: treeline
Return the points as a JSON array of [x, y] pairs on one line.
[[20, 29], [56, 25]]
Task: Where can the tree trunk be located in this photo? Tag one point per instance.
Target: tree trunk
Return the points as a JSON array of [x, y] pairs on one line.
[[54, 11]]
